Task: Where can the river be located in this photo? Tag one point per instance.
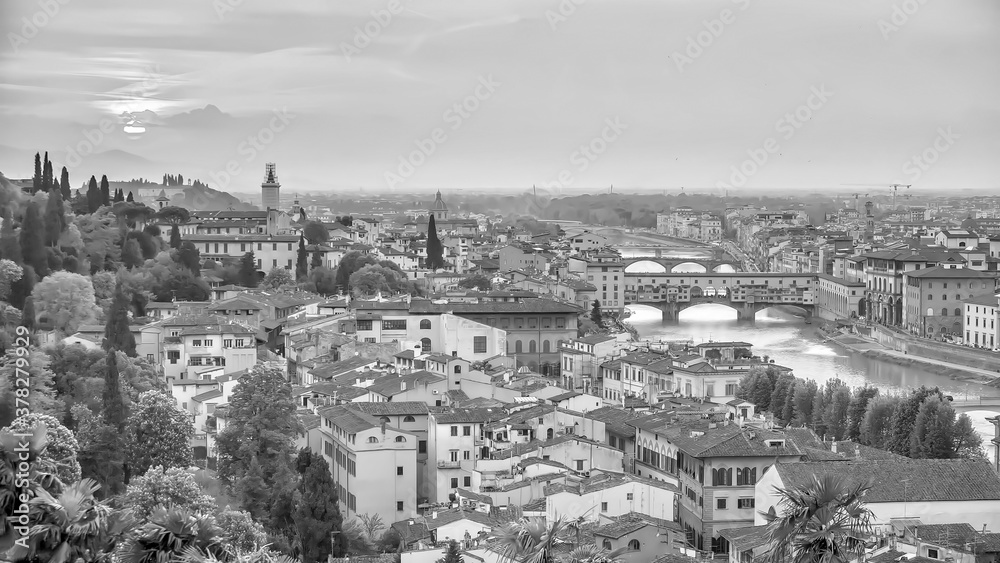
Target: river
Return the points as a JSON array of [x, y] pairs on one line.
[[792, 343]]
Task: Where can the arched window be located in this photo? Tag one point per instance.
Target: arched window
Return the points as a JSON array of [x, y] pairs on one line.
[[400, 439], [384, 419], [425, 324], [959, 297], [425, 344], [532, 347], [458, 369], [408, 418], [944, 311], [633, 545], [606, 544], [518, 347], [958, 311], [372, 440], [930, 298], [546, 346]]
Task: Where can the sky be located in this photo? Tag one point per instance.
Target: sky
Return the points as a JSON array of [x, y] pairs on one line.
[[565, 95]]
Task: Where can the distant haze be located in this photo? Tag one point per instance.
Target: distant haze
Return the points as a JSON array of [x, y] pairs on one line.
[[704, 94]]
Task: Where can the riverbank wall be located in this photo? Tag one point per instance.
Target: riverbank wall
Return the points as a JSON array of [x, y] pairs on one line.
[[942, 351], [865, 343]]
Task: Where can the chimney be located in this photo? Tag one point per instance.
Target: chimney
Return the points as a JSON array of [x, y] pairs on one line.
[[402, 386], [833, 446], [434, 515], [857, 451]]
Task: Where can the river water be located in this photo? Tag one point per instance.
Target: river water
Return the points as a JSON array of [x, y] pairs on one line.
[[792, 343]]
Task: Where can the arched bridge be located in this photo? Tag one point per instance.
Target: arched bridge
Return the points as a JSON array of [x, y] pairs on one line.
[[661, 265], [748, 293]]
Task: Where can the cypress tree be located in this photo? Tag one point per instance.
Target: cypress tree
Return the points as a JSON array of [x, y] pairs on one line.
[[93, 196], [302, 260], [114, 407], [129, 198], [595, 312], [55, 218], [117, 332], [248, 270], [175, 234], [21, 290], [36, 180], [64, 185], [435, 250], [46, 173], [317, 258], [32, 238], [105, 191], [28, 315]]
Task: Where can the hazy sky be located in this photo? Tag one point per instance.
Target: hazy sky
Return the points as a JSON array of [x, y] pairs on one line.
[[665, 93]]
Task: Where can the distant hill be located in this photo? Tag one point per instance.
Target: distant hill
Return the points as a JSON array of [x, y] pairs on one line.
[[198, 197]]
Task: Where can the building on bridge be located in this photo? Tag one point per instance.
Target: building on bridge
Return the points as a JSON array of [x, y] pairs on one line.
[[748, 293]]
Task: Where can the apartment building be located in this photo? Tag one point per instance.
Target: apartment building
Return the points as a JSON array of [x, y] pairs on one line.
[[982, 322], [607, 272], [374, 465], [715, 467], [934, 299], [454, 443], [189, 351], [581, 359]]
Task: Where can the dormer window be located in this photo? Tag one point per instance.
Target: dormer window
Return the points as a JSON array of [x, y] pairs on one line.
[[775, 443]]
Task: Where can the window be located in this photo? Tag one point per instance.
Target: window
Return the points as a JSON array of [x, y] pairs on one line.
[[628, 496], [607, 543], [227, 342], [453, 455], [422, 447], [745, 503], [458, 369], [400, 438], [479, 344], [408, 418], [196, 343], [364, 325], [394, 325], [399, 506], [465, 455], [372, 440], [604, 507], [454, 482], [173, 356], [370, 340], [932, 553], [425, 324], [633, 545], [579, 465], [560, 322], [399, 470], [720, 504], [466, 481], [466, 431], [454, 431]]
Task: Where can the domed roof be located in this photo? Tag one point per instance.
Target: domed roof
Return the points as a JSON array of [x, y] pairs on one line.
[[439, 204]]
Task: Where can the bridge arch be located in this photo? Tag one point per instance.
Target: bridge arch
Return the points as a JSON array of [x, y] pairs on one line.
[[689, 267], [645, 267], [725, 268]]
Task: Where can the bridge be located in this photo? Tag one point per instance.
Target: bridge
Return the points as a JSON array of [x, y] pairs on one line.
[[980, 404], [746, 292], [666, 260]]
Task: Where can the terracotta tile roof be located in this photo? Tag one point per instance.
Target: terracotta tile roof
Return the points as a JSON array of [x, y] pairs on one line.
[[455, 416], [746, 538], [912, 480], [614, 419], [953, 536], [349, 419], [391, 408]]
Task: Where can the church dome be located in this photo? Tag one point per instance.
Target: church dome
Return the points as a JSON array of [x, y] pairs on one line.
[[439, 204]]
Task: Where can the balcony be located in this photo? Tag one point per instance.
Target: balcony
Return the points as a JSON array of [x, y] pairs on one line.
[[449, 464]]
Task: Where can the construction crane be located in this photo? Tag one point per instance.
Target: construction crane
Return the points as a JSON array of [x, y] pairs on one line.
[[893, 189]]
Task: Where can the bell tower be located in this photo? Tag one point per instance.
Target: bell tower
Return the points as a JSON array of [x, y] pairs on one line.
[[270, 189]]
